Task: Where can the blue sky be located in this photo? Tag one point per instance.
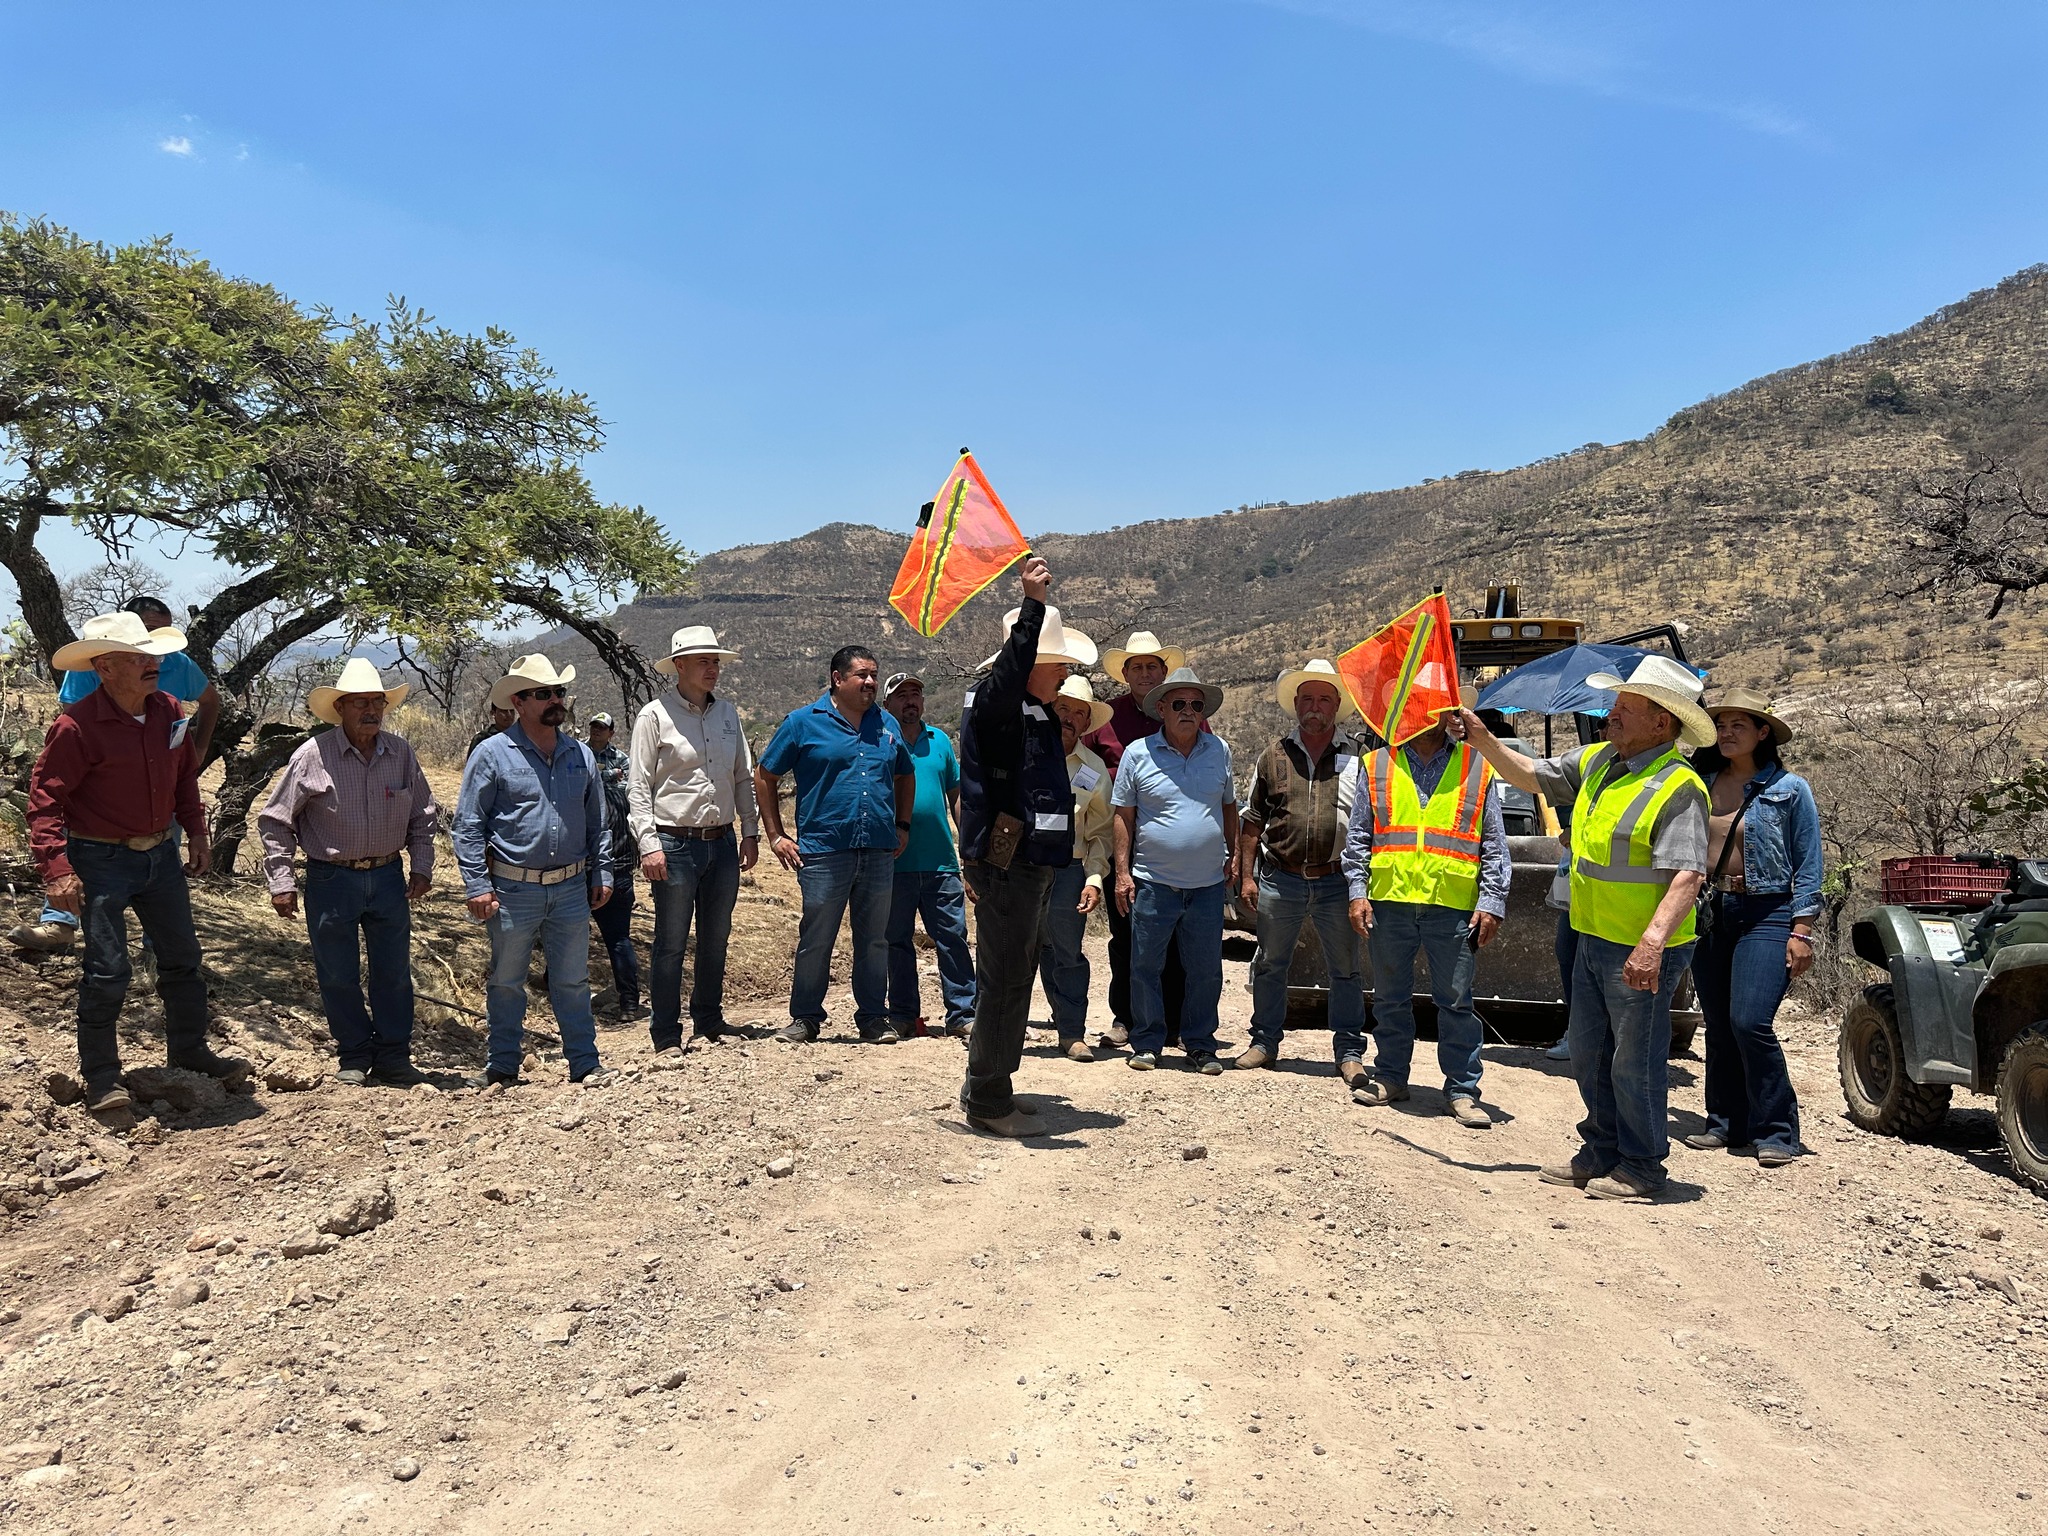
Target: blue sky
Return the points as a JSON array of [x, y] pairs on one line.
[[1149, 257]]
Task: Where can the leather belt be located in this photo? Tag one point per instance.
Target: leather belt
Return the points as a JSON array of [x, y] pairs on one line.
[[537, 876], [377, 863], [695, 834], [139, 844], [1306, 871], [1731, 885]]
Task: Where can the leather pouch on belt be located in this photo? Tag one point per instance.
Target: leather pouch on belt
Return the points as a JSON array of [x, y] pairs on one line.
[[1004, 838]]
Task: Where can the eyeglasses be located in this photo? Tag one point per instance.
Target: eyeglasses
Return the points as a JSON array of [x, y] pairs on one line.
[[542, 693], [1184, 706]]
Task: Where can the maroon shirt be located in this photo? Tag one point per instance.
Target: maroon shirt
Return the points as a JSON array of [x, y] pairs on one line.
[[1126, 723], [103, 774]]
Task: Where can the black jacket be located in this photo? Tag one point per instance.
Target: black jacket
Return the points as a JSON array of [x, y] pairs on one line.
[[1012, 757]]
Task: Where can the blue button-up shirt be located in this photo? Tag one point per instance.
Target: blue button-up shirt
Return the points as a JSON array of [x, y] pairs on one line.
[[536, 812], [845, 776]]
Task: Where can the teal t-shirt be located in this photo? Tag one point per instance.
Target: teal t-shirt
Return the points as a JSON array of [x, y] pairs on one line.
[[931, 827]]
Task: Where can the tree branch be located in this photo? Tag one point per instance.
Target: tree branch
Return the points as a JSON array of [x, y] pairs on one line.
[[637, 682]]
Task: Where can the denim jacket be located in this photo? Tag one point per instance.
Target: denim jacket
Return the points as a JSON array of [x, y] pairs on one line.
[[1781, 842]]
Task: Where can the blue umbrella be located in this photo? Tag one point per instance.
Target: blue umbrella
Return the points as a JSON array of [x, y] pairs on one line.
[[1556, 685]]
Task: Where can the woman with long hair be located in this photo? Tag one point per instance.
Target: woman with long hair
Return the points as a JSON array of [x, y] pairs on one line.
[[1763, 849]]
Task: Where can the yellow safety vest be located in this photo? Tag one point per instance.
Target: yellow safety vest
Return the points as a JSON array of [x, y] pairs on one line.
[[1427, 854], [1615, 892]]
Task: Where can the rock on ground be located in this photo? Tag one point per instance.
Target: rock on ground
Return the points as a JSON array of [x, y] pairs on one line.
[[368, 1204]]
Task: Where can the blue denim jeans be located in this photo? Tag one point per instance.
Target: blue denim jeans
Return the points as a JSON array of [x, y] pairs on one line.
[[1401, 930], [863, 880], [1739, 972], [1621, 1040], [937, 896], [153, 884], [1162, 915], [703, 885], [1062, 962], [558, 918], [70, 919], [614, 922], [1286, 901], [350, 912]]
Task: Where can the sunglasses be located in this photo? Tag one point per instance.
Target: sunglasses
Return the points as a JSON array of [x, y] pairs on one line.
[[542, 693], [1184, 706]]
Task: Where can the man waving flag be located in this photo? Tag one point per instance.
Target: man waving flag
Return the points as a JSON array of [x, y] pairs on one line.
[[964, 540], [1406, 674]]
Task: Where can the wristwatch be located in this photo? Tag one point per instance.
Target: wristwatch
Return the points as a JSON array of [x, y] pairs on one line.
[[903, 826]]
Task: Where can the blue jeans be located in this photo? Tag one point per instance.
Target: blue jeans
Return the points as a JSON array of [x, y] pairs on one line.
[[558, 917], [70, 919], [1162, 915], [703, 885], [864, 880], [1444, 934], [936, 896], [1062, 963], [348, 912], [153, 883], [1621, 1039], [1739, 972], [1286, 901]]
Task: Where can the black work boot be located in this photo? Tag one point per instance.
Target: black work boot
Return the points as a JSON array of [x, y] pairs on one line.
[[231, 1070]]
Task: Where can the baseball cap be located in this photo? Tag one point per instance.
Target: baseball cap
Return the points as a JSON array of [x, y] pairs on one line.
[[601, 718], [897, 680]]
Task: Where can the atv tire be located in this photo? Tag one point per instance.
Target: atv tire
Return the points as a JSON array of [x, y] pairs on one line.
[[1872, 1058], [2023, 1106]]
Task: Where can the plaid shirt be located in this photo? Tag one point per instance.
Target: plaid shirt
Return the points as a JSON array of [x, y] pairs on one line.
[[336, 804]]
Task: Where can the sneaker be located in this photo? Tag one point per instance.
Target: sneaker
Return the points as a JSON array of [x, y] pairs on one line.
[[1468, 1113], [1776, 1157], [1376, 1091], [1078, 1050], [352, 1077], [1143, 1061], [1208, 1063], [403, 1075], [45, 937], [1255, 1057], [1562, 1051], [596, 1077], [107, 1097], [231, 1070], [1622, 1185], [1573, 1175], [796, 1032]]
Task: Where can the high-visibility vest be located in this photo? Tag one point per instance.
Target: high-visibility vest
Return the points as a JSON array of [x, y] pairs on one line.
[[1427, 854], [1615, 892]]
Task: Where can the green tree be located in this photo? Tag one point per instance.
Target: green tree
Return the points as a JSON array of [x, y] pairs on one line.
[[387, 476]]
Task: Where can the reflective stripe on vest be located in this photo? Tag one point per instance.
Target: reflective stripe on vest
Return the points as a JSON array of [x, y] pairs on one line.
[[1427, 854], [1615, 892]]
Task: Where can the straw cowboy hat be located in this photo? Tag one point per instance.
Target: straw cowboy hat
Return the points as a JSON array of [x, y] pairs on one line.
[[110, 632], [1142, 643], [1750, 702], [357, 676], [1056, 641], [1315, 671], [1183, 677], [534, 671], [1669, 685], [1076, 687], [693, 640]]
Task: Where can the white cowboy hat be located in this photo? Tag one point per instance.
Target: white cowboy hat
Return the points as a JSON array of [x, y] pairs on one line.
[[1076, 687], [1142, 643], [1315, 671], [693, 640], [534, 671], [357, 676], [109, 632], [1183, 677], [1669, 685], [1056, 641]]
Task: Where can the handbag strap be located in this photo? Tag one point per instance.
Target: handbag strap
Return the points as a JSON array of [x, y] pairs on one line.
[[1750, 791]]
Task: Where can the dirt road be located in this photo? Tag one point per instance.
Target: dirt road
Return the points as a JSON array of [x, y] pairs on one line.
[[602, 1312]]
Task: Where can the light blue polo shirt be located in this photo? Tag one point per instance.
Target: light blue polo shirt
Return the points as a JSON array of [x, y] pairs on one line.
[[1179, 801]]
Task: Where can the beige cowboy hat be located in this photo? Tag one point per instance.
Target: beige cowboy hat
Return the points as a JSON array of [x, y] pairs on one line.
[[1315, 671], [1749, 702], [1142, 643], [109, 632], [1056, 641], [1182, 677], [1670, 685], [357, 676], [534, 671], [693, 640], [1076, 687]]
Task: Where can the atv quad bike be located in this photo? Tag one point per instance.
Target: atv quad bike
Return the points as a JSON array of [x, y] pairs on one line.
[[1966, 1006]]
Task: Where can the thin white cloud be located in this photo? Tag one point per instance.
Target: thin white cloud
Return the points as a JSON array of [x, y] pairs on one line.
[[1535, 42], [176, 144]]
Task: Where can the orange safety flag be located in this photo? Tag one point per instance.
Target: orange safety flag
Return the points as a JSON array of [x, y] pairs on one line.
[[964, 541], [1406, 675]]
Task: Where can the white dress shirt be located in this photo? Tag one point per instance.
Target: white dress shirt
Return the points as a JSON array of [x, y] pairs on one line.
[[690, 767]]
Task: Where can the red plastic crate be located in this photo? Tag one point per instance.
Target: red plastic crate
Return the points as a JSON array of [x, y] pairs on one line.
[[1939, 878]]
